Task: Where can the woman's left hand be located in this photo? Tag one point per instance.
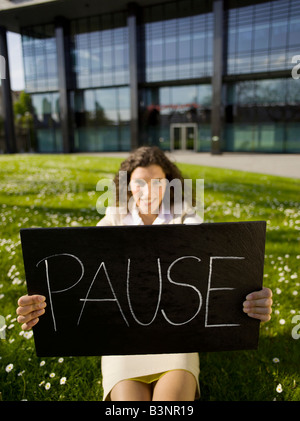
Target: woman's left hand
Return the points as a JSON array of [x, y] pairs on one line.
[[258, 304]]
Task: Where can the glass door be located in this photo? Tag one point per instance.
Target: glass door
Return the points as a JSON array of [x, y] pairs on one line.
[[190, 137], [177, 138], [183, 136]]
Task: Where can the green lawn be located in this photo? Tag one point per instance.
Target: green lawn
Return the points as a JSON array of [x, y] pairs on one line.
[[60, 190]]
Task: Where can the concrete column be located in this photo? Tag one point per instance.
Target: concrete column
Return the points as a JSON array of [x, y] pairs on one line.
[[217, 106], [9, 128], [64, 75], [132, 23]]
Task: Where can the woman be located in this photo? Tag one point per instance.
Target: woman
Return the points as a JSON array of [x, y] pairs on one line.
[[159, 377]]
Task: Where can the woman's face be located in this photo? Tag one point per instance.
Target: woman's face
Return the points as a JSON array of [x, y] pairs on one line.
[[148, 185]]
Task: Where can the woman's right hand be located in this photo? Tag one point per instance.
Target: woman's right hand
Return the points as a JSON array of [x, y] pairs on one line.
[[29, 310]]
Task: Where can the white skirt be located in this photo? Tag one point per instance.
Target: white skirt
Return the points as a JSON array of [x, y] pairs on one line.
[[116, 368]]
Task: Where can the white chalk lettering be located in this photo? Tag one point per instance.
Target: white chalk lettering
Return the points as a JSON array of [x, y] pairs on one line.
[[50, 292], [101, 299], [159, 294], [183, 285], [209, 289], [114, 299]]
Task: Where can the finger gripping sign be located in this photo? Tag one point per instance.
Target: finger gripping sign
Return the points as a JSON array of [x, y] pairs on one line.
[[144, 289]]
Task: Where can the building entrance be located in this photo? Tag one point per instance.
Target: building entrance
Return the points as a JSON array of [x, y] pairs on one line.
[[183, 136]]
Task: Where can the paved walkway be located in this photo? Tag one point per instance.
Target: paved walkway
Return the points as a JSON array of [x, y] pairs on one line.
[[284, 165]]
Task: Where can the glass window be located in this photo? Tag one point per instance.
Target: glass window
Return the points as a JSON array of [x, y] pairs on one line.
[[101, 51], [244, 39], [204, 95], [294, 27], [89, 102], [261, 37], [183, 95], [263, 115], [178, 42], [279, 33], [170, 40], [102, 119], [47, 122], [40, 62], [187, 105], [184, 38], [271, 91], [293, 92]]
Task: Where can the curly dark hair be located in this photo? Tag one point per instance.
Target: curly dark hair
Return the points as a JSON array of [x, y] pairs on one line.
[[144, 157]]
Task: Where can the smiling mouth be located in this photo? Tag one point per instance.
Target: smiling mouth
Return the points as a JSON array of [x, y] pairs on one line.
[[148, 203]]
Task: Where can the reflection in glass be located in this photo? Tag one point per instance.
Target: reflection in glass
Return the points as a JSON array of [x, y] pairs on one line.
[[102, 118], [100, 53], [178, 47], [177, 138], [40, 62], [263, 115], [168, 110], [47, 122], [261, 36], [190, 138]]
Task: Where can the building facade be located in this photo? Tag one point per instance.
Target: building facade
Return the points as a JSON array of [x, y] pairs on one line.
[[201, 75]]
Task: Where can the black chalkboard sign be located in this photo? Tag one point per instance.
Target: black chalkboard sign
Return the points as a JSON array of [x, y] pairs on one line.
[[144, 289]]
